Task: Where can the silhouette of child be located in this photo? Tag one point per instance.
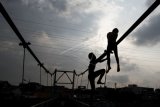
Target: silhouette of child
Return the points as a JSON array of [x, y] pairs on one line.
[[112, 46], [93, 74]]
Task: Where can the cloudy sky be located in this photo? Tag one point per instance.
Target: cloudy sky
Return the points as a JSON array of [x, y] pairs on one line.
[[63, 32]]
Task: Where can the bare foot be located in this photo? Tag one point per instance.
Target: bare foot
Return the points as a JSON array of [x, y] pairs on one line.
[[109, 68], [107, 71]]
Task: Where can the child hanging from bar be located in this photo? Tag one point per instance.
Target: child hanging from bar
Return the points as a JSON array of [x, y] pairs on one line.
[[112, 46]]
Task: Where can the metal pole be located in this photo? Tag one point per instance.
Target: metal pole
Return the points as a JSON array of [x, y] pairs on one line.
[[74, 73], [77, 82], [24, 54], [23, 65], [55, 72], [51, 79], [40, 76], [47, 79], [40, 73], [81, 80]]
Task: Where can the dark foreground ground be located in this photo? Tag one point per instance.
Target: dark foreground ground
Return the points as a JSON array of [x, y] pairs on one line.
[[80, 102], [35, 95]]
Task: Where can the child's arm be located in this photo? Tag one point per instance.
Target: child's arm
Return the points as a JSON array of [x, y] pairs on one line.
[[103, 60], [101, 56], [100, 60]]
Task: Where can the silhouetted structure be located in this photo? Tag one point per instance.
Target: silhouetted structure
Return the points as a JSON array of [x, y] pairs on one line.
[[56, 80]]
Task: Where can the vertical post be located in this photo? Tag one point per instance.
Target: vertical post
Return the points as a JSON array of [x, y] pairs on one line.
[[39, 73], [47, 78], [81, 80], [54, 83], [77, 82], [115, 85], [74, 73], [23, 64], [40, 77], [51, 80], [24, 54]]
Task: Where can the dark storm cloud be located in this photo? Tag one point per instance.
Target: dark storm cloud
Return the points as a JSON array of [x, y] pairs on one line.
[[62, 12], [149, 33], [60, 5], [30, 17], [57, 5], [13, 1]]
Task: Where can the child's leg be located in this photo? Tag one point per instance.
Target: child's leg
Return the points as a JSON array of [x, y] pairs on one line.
[[117, 58], [101, 74], [92, 83], [108, 61]]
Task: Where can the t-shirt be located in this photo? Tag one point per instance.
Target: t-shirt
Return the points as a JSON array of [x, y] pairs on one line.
[[111, 37]]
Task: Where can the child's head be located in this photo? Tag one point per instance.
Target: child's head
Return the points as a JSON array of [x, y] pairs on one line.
[[91, 56], [115, 30]]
